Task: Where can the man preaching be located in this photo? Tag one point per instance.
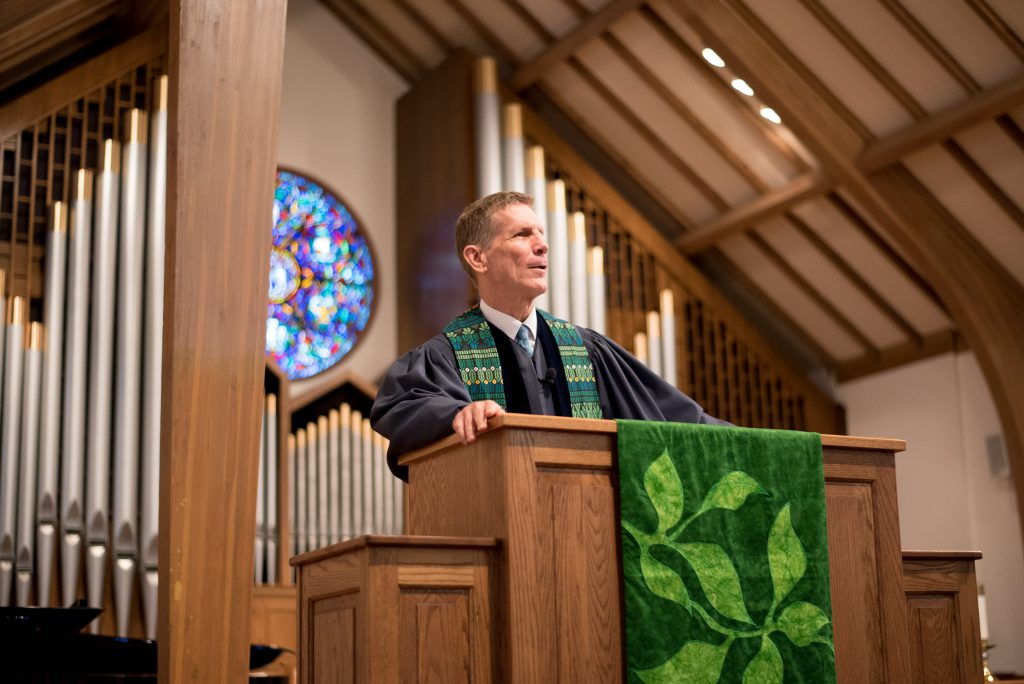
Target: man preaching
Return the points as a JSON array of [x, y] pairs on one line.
[[506, 355]]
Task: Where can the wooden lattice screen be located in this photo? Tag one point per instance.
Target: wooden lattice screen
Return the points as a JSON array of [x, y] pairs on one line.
[[39, 165]]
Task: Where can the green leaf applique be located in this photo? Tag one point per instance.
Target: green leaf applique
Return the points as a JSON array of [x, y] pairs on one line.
[[662, 580], [718, 578], [665, 490], [731, 491], [786, 558], [696, 663], [766, 666], [801, 621]]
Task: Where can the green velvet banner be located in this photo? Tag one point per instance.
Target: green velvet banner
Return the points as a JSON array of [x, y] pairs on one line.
[[725, 555]]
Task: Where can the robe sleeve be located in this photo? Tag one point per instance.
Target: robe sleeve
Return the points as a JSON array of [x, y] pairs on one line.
[[418, 399], [630, 390]]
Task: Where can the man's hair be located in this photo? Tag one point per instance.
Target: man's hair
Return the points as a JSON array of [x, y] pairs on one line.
[[476, 224]]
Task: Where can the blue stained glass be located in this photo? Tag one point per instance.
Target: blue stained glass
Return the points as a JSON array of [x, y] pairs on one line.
[[321, 279]]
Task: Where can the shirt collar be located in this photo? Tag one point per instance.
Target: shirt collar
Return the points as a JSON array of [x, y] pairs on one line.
[[510, 324]]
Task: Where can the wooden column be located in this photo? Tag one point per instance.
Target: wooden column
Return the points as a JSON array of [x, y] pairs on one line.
[[225, 60]]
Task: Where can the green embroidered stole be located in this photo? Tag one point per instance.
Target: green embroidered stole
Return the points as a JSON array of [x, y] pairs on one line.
[[480, 367]]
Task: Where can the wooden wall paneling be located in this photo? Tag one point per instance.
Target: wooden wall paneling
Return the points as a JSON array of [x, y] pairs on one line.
[[225, 63], [435, 179], [942, 610], [984, 299]]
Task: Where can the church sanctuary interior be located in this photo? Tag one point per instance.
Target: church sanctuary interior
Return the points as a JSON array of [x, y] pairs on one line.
[[807, 215]]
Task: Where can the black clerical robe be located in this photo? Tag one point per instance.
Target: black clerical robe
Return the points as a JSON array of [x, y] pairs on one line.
[[423, 390]]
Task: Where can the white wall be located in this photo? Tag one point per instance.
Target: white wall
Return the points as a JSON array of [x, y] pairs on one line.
[[338, 124], [948, 497]]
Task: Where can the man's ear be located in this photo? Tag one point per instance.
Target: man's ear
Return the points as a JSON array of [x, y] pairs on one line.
[[475, 257]]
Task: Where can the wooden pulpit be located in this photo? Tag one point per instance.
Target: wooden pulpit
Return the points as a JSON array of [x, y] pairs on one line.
[[544, 488]]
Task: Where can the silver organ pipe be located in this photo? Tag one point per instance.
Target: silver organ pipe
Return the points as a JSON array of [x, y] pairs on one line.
[[293, 496], [558, 253], [300, 492], [50, 417], [595, 275], [488, 138], [578, 270], [273, 458], [33, 364], [668, 336], [360, 496], [513, 171], [3, 324], [149, 513], [261, 503], [312, 509], [322, 483], [10, 428], [334, 479], [101, 351], [536, 185], [127, 394], [72, 502], [358, 487], [654, 342], [345, 447]]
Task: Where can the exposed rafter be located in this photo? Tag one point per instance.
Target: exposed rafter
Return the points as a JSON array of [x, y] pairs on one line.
[[932, 345], [984, 106], [770, 204], [558, 52]]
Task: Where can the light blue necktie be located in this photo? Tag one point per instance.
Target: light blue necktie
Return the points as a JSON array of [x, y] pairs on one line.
[[523, 339]]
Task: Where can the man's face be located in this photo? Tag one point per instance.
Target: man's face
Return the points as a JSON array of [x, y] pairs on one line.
[[517, 257]]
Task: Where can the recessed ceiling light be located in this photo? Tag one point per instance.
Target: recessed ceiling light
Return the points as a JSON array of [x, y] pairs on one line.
[[712, 58], [771, 115], [742, 86]]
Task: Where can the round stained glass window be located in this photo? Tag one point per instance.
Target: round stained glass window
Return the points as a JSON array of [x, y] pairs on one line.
[[321, 278]]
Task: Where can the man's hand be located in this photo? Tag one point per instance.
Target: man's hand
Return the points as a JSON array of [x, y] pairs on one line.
[[472, 419]]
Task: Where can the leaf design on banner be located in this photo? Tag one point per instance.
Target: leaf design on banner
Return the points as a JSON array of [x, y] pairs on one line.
[[786, 558], [696, 663], [731, 492], [665, 490], [766, 666], [662, 580], [801, 621], [718, 578]]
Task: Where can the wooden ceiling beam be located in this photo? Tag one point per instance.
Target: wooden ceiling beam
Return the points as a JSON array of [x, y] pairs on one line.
[[985, 300], [999, 27], [426, 26], [899, 355], [772, 203], [559, 51], [505, 53], [983, 106]]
